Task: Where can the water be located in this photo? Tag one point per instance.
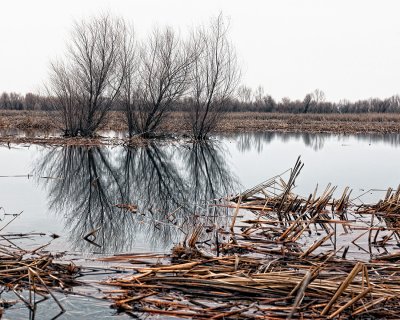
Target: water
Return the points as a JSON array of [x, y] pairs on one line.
[[72, 191]]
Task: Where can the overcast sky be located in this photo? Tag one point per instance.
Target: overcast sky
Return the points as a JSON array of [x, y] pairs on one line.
[[347, 48]]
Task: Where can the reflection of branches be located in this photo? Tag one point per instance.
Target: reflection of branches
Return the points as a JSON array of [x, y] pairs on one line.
[[257, 140], [247, 141], [392, 139], [208, 178], [168, 198], [208, 175], [314, 140], [152, 181], [86, 186]]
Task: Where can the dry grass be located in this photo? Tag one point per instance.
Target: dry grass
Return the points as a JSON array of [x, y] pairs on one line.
[[35, 271], [32, 121], [287, 262], [313, 123]]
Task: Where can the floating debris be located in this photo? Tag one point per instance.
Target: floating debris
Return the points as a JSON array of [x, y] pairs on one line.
[[34, 271], [289, 257], [128, 207]]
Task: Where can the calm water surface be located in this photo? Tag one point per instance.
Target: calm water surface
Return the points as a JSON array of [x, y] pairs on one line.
[[71, 191]]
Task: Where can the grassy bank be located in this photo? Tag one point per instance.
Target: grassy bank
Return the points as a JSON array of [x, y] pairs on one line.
[[233, 122]]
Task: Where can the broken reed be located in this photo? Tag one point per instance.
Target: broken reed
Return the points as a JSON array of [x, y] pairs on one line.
[[267, 268], [32, 270]]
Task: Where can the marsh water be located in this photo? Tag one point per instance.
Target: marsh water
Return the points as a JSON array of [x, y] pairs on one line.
[[141, 199]]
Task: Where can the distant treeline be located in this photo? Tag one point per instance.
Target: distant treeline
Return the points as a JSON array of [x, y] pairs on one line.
[[29, 101], [312, 103]]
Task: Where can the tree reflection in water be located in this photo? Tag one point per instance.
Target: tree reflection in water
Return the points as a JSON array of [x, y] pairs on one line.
[[209, 176], [170, 186], [153, 183], [85, 185], [210, 180], [257, 140]]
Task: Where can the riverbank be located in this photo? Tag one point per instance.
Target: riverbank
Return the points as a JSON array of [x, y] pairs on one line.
[[37, 127]]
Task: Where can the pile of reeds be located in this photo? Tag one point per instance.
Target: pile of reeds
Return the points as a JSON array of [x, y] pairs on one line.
[[289, 257], [247, 287], [56, 141], [33, 271]]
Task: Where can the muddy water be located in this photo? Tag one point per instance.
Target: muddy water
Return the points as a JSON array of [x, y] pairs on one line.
[[72, 191]]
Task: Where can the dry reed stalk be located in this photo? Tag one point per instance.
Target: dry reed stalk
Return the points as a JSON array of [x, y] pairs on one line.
[[265, 269]]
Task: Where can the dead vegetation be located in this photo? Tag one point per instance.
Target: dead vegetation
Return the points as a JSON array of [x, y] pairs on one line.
[[282, 256], [37, 125], [312, 123], [31, 275], [274, 254], [35, 271]]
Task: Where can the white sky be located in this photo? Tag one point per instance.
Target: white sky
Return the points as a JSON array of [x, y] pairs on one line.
[[348, 48]]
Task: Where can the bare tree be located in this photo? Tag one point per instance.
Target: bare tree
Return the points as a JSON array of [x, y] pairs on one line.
[[244, 93], [86, 84], [129, 65], [162, 79], [214, 78], [318, 96], [307, 102], [259, 94], [5, 102]]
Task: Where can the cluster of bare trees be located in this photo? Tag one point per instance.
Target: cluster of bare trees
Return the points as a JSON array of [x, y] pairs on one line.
[[29, 101], [314, 102], [256, 102], [107, 67]]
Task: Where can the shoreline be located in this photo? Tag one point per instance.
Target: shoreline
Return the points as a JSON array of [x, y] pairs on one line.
[[35, 127]]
